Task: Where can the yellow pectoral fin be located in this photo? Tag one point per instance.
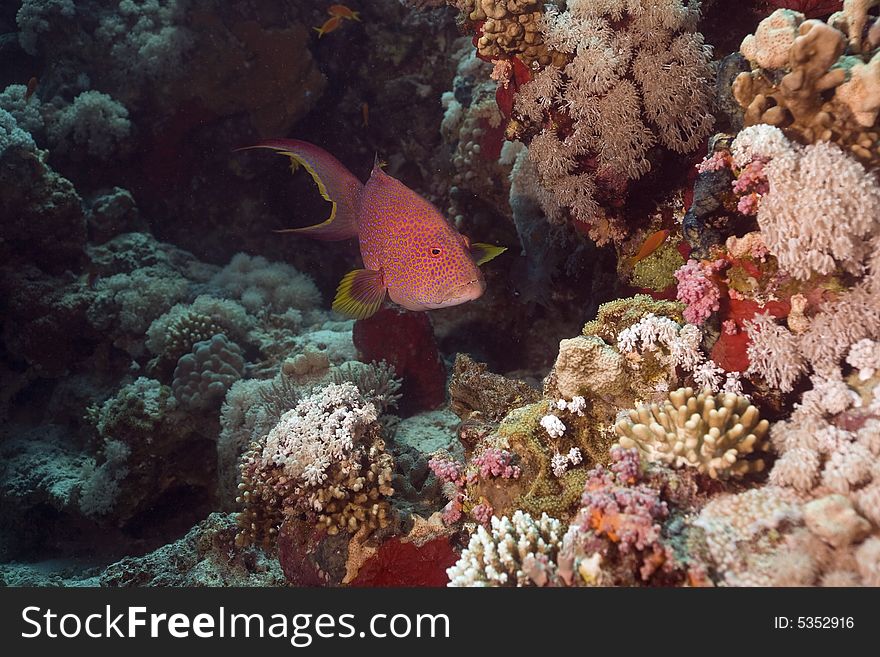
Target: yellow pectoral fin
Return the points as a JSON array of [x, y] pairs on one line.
[[360, 294], [483, 253]]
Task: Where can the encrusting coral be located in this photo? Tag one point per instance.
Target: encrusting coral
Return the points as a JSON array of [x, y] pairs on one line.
[[714, 434], [474, 390]]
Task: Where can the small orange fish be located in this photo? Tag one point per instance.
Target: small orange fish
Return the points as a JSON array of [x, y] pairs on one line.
[[31, 87], [344, 12], [365, 112], [653, 242], [329, 25]]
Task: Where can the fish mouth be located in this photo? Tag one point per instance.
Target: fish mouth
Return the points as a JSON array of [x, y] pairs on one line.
[[462, 293]]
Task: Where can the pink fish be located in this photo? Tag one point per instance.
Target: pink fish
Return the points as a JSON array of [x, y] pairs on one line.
[[410, 252]]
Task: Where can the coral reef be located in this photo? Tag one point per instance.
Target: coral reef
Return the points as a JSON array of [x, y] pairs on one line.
[[674, 381], [203, 376], [201, 558], [617, 536], [628, 76], [512, 553], [474, 390]]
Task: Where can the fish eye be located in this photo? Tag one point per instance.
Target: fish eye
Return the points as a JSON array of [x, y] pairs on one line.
[[436, 251]]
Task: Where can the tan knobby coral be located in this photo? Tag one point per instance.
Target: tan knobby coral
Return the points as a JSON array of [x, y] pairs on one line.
[[711, 432], [511, 28]]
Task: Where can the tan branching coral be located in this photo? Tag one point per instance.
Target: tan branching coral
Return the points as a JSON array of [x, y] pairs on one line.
[[711, 432], [807, 81]]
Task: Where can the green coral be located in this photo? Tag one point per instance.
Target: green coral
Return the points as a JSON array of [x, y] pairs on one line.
[[617, 315], [538, 490], [656, 272]]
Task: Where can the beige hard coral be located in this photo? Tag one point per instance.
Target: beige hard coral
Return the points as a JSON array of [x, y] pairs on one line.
[[772, 40], [808, 80], [587, 366], [715, 433], [593, 366]]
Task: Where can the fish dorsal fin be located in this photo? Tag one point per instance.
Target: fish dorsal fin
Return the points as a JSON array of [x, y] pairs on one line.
[[483, 253], [335, 183], [360, 294]]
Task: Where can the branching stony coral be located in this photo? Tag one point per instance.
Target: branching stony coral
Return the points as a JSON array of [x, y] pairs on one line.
[[713, 433], [324, 461], [505, 554]]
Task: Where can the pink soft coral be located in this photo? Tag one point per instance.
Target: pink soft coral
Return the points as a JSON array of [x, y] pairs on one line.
[[698, 289], [496, 462]]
